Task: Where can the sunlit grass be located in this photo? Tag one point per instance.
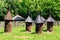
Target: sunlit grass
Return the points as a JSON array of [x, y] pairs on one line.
[[19, 33]]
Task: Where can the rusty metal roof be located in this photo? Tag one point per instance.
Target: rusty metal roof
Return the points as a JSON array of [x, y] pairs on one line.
[[39, 19], [8, 16], [29, 19]]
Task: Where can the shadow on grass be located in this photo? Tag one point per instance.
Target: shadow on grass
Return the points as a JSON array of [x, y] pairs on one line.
[[23, 30], [1, 32], [33, 33], [45, 30]]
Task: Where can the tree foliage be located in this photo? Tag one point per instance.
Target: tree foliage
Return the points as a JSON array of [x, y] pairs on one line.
[[21, 6]]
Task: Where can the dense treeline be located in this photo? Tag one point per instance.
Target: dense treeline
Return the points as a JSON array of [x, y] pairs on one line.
[[35, 6]]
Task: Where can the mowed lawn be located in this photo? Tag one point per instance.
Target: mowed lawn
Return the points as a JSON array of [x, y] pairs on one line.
[[19, 33]]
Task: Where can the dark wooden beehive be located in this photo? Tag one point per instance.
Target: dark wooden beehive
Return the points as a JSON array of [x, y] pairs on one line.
[[39, 24], [28, 22], [50, 22]]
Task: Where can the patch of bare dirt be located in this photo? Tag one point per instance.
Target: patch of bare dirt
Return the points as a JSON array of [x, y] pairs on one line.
[[22, 37]]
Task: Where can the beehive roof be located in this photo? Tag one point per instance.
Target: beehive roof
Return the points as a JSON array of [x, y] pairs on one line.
[[18, 18], [8, 16], [43, 18], [50, 19], [29, 19], [39, 19]]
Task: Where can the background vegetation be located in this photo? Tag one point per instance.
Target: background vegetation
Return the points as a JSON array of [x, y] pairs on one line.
[[35, 6]]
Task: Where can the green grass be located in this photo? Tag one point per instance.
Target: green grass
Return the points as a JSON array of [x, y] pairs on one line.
[[18, 32]]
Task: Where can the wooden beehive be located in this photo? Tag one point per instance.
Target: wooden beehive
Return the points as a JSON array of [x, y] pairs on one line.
[[39, 24], [50, 22], [8, 22], [28, 22]]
